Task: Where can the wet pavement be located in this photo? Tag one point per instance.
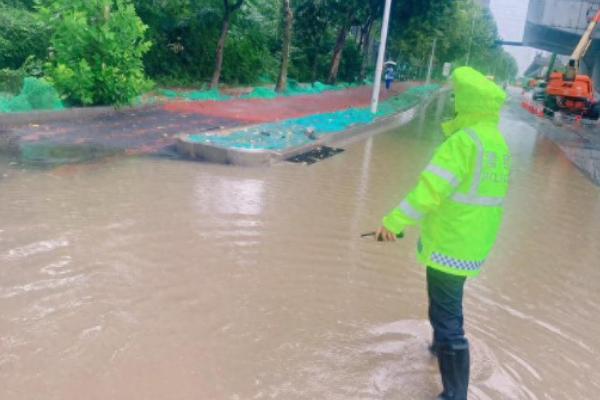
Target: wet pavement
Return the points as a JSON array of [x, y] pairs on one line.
[[152, 130], [579, 139], [280, 108], [151, 278]]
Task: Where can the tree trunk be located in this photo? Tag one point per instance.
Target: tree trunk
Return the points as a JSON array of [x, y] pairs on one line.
[[219, 54], [366, 51], [315, 64], [337, 50], [106, 12], [285, 51]]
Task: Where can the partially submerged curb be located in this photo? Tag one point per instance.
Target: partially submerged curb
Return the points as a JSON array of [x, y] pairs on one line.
[[264, 158]]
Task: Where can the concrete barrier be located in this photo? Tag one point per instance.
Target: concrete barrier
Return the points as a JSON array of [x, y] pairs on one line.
[[264, 158]]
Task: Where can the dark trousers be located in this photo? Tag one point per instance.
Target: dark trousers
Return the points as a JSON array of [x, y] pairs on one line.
[[388, 82], [445, 293]]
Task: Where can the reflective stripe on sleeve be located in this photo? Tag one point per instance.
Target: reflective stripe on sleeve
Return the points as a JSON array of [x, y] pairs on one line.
[[408, 210], [443, 173], [477, 200]]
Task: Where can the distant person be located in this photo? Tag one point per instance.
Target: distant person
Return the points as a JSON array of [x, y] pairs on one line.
[[389, 76], [458, 204]]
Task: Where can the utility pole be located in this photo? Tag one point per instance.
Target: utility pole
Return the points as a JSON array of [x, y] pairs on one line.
[[431, 62], [380, 55], [470, 41]]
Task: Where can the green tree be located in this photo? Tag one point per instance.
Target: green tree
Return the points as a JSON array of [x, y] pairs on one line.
[[185, 34], [23, 4], [345, 10], [373, 12], [97, 49], [311, 30], [461, 28], [287, 39], [228, 9], [21, 35]]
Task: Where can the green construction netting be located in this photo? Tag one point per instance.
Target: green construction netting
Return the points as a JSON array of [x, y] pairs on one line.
[[406, 99], [212, 94], [5, 97], [297, 131], [37, 94], [293, 88], [260, 93]]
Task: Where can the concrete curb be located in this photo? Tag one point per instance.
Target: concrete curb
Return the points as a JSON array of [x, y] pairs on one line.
[[264, 158], [13, 120]]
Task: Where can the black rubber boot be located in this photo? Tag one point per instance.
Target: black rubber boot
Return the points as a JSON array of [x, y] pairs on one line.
[[454, 361]]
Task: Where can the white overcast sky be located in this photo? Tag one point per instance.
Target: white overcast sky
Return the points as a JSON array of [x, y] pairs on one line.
[[510, 16]]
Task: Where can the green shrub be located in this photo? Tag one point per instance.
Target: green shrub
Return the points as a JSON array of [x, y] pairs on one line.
[[11, 81], [97, 50], [246, 58], [21, 35]]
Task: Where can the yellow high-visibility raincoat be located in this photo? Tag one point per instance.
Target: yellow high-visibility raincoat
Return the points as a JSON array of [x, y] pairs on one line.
[[458, 199]]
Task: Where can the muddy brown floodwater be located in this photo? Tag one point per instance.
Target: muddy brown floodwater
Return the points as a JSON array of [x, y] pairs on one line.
[[148, 278]]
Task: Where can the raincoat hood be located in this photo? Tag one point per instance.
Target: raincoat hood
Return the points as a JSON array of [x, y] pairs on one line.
[[476, 99]]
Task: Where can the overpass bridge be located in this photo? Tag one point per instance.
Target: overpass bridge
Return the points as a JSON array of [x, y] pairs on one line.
[[557, 26]]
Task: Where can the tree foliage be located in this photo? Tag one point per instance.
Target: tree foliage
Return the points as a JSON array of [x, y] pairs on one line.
[[97, 49], [461, 27], [312, 18], [185, 35], [100, 50], [21, 35]]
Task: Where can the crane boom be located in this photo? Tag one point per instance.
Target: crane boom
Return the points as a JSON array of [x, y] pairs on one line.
[[580, 50]]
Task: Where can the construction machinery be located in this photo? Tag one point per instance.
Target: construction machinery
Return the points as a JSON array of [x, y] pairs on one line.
[[572, 92], [531, 83]]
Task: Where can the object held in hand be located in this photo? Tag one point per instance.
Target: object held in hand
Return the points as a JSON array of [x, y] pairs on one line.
[[398, 236]]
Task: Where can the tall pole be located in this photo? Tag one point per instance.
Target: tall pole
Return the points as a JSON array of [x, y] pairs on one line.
[[470, 41], [380, 55], [430, 62]]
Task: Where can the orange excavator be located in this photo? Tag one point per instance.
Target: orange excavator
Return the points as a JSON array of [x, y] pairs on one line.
[[571, 92]]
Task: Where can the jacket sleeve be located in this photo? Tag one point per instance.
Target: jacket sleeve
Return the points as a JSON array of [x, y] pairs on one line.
[[447, 169]]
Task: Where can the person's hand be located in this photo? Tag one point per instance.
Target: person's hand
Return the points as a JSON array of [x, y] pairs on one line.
[[382, 234]]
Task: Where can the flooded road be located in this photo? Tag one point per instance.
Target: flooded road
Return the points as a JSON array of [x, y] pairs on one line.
[[147, 278]]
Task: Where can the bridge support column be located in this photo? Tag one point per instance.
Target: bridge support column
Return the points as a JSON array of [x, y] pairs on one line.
[[596, 73], [584, 68]]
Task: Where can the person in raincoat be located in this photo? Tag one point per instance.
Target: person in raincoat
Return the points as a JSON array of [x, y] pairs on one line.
[[389, 76], [458, 204]]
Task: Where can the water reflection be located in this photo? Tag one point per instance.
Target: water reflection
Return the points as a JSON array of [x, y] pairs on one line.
[[229, 196]]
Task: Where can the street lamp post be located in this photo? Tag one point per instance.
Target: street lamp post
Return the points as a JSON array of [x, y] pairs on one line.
[[380, 55], [428, 80]]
